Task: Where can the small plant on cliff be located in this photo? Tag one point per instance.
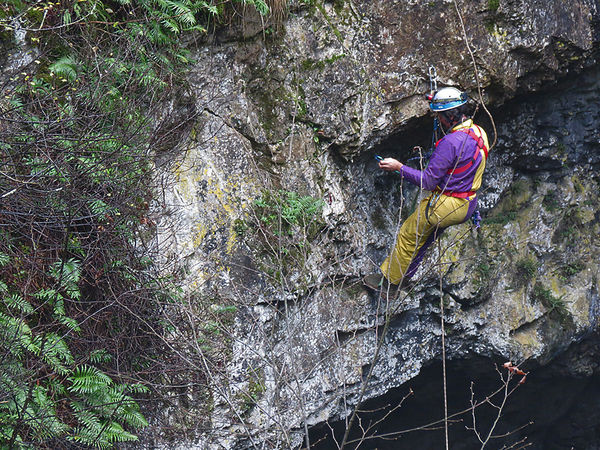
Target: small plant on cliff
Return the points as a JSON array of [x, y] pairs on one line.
[[550, 301], [493, 5], [571, 269], [287, 210], [285, 223], [551, 201], [526, 269]]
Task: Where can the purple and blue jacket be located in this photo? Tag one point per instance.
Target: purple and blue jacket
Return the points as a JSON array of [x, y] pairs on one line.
[[457, 163]]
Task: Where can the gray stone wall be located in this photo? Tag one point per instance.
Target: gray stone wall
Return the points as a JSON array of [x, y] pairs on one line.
[[303, 110]]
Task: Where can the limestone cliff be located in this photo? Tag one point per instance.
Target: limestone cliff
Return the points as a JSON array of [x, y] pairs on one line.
[[288, 116]]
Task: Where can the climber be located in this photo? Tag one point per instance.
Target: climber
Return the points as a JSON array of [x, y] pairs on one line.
[[454, 175]]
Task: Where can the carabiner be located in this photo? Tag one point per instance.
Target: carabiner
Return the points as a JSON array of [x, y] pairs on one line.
[[432, 79]]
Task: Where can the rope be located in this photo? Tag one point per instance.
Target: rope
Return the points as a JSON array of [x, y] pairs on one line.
[[442, 322], [433, 86], [444, 353], [479, 92], [380, 340]]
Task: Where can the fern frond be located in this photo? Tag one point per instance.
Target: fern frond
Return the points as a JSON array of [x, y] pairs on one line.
[[17, 303], [100, 356], [88, 420], [170, 25], [70, 323], [4, 259], [66, 271], [48, 295], [66, 66], [261, 6], [98, 207], [57, 354], [114, 432], [134, 417], [59, 308], [88, 379], [137, 388], [182, 12], [67, 19]]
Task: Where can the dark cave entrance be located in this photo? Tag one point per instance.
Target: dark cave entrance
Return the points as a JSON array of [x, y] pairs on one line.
[[553, 409], [559, 405]]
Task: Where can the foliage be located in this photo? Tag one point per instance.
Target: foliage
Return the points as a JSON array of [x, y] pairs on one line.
[[571, 269], [79, 307], [515, 198], [501, 218], [493, 5], [526, 268], [287, 210], [80, 297], [77, 402], [484, 270], [551, 201], [549, 300], [256, 387], [285, 223]]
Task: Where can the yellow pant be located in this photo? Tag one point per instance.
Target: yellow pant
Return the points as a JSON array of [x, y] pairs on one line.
[[423, 226]]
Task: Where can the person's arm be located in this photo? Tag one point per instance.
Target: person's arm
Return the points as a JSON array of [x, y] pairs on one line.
[[440, 162]]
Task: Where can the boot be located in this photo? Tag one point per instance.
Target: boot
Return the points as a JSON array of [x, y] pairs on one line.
[[378, 282]]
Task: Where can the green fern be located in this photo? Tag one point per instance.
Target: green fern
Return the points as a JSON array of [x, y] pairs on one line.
[[100, 356], [88, 379], [99, 207], [66, 271], [68, 274], [43, 417], [17, 303], [65, 67], [114, 432], [86, 418], [56, 354], [70, 323], [261, 6], [101, 399], [180, 10], [67, 19], [4, 259]]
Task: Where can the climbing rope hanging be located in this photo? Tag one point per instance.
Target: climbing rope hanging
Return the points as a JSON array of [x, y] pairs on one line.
[[434, 135], [477, 80], [388, 314], [476, 219]]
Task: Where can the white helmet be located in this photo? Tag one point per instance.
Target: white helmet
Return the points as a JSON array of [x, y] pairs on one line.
[[447, 98]]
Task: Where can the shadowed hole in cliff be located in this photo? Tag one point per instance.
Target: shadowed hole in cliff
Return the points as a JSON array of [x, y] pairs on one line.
[[551, 410]]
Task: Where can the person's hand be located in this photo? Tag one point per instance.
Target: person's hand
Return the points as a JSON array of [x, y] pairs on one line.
[[390, 164]]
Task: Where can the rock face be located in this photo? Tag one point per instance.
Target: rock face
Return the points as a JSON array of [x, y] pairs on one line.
[[275, 205]]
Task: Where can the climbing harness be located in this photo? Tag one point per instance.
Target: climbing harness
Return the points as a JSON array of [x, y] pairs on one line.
[[480, 147]]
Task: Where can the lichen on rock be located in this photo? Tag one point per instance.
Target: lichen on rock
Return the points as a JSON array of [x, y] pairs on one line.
[[303, 112]]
